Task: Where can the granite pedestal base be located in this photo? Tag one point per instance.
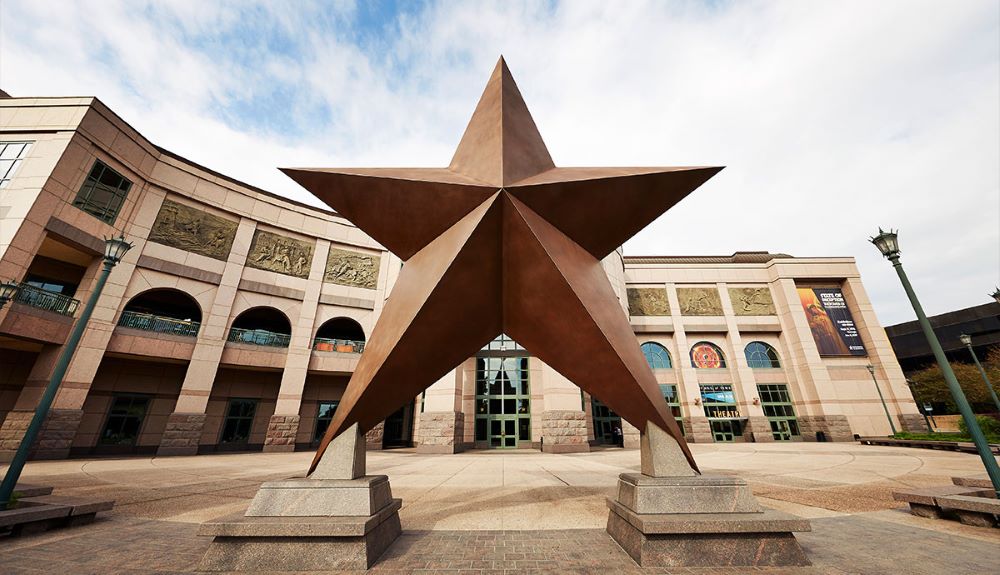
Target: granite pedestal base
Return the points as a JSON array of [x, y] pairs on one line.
[[307, 525], [700, 521]]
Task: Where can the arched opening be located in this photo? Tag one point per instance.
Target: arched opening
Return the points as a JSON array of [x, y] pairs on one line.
[[705, 355], [341, 334], [657, 356], [261, 326], [162, 310], [761, 355]]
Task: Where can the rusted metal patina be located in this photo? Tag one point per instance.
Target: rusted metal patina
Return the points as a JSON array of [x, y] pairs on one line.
[[502, 241]]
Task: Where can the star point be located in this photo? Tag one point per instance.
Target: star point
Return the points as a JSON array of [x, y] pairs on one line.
[[502, 241]]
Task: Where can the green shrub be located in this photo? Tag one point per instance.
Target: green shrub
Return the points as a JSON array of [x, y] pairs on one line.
[[989, 425]]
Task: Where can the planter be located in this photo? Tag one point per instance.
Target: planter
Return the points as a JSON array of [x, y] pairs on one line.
[[345, 348], [324, 346]]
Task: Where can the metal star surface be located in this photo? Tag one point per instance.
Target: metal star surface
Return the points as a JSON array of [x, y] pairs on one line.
[[501, 241]]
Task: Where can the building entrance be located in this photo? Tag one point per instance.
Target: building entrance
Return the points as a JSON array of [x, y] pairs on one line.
[[605, 422], [725, 430], [503, 400]]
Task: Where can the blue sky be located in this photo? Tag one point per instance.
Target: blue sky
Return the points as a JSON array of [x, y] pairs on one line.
[[832, 117]]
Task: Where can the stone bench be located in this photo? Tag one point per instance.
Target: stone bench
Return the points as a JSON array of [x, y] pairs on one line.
[[950, 501], [976, 511], [980, 481], [45, 512]]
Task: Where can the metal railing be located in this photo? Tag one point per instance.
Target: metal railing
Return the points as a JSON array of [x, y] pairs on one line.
[[46, 300], [258, 337], [341, 345], [158, 324]]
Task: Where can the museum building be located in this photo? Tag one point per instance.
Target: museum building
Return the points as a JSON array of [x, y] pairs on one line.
[[236, 320]]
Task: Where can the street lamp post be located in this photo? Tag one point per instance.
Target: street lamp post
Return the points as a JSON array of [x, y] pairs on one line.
[[967, 341], [871, 370], [114, 249], [887, 243]]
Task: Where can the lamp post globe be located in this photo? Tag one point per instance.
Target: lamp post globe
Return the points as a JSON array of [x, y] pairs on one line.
[[887, 243], [115, 248], [965, 338]]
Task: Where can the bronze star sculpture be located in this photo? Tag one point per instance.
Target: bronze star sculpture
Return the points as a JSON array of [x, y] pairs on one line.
[[501, 241]]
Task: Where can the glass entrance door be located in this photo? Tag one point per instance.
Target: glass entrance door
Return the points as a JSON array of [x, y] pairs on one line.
[[503, 432], [503, 402], [724, 430], [781, 430]]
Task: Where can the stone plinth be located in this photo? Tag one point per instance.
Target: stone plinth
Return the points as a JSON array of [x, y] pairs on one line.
[[182, 434], [441, 432], [758, 429], [630, 435], [700, 521], [833, 427], [312, 543], [337, 518], [281, 432], [913, 422], [698, 430], [564, 432], [54, 439]]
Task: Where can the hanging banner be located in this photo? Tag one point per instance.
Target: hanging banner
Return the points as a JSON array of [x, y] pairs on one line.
[[831, 322]]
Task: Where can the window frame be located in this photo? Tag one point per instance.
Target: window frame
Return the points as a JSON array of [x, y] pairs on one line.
[[762, 353], [108, 212], [649, 348], [718, 350]]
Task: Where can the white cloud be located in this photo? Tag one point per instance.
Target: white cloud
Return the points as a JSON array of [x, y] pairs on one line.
[[832, 117]]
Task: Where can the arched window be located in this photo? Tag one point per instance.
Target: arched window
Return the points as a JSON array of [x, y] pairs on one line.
[[656, 355], [162, 310], [759, 354], [705, 355], [341, 334], [261, 326]]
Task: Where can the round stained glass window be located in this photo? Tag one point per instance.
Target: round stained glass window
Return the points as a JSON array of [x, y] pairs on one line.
[[706, 356]]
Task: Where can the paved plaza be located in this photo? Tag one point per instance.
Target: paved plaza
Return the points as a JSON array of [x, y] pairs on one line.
[[516, 511]]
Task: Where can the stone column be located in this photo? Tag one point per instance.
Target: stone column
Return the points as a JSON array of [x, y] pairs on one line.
[[564, 423], [757, 427], [442, 424], [696, 424], [184, 426], [284, 424]]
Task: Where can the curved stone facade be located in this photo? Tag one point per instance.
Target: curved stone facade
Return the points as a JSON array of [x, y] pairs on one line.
[[264, 276]]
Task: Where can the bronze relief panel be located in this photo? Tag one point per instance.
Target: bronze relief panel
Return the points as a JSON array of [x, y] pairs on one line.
[[752, 301], [648, 302], [699, 301], [193, 230], [355, 269], [280, 254]]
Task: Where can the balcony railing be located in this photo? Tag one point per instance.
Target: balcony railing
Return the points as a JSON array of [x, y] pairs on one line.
[[341, 345], [258, 337], [49, 301], [158, 324]]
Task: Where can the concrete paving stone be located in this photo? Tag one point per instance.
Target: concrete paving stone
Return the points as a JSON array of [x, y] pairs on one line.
[[459, 510]]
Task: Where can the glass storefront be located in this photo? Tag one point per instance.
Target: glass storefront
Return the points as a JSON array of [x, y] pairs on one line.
[[719, 403], [778, 409]]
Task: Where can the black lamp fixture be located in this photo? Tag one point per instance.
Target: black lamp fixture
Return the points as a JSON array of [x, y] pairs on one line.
[[887, 242]]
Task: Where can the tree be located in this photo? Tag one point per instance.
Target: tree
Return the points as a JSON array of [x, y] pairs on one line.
[[930, 386]]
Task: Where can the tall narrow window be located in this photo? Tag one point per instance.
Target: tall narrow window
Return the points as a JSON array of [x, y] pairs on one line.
[[239, 421], [124, 420], [323, 418], [657, 356], [11, 156], [103, 193]]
